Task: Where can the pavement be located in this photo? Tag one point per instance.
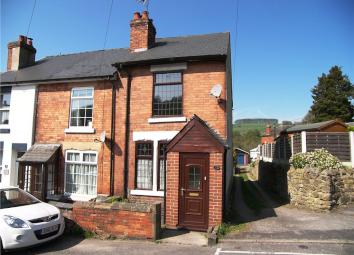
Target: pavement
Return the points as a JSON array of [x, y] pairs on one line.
[[71, 245], [184, 237]]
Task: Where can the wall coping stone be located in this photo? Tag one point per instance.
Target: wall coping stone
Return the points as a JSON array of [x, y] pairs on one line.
[[124, 206]]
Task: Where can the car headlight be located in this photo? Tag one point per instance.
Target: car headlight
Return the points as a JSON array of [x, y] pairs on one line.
[[14, 222]]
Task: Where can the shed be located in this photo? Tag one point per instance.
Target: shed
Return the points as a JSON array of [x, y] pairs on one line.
[[324, 126], [242, 157]]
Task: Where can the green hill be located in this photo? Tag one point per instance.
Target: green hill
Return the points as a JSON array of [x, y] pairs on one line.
[[244, 125]]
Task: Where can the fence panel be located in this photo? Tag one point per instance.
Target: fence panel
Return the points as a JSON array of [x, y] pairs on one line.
[[337, 144]]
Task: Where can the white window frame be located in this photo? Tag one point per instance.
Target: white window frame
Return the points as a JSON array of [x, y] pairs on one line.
[[81, 129], [6, 109], [75, 196], [155, 137]]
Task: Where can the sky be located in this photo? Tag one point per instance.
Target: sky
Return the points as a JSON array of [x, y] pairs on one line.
[[279, 47]]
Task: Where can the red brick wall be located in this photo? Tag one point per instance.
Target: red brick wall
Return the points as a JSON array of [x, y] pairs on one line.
[[53, 110], [172, 183], [215, 189], [133, 221]]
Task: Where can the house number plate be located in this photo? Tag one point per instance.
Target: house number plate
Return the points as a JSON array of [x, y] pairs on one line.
[[193, 194]]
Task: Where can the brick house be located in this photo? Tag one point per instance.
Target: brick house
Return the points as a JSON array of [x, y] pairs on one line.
[[116, 122]]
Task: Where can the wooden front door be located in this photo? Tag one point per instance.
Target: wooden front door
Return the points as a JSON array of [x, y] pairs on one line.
[[194, 191]]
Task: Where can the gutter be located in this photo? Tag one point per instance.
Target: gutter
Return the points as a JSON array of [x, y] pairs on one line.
[[169, 60], [38, 82]]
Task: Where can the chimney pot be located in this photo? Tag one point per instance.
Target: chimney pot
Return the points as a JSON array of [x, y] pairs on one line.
[[29, 41], [21, 38], [145, 15], [136, 16]]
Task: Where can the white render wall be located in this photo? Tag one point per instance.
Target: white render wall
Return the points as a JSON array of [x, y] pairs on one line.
[[21, 124]]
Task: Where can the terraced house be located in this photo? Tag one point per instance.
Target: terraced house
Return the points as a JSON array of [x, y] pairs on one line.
[[152, 122]]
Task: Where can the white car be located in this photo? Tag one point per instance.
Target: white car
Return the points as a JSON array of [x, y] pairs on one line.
[[25, 220]]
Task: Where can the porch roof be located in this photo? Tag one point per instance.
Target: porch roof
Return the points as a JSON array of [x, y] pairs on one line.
[[39, 153]]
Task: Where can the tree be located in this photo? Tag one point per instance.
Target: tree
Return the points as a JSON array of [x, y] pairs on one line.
[[332, 98], [248, 140]]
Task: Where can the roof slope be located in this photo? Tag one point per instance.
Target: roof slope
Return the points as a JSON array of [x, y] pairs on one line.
[[39, 153], [312, 126], [99, 63]]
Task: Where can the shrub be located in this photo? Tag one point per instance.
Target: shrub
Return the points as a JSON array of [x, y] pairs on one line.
[[320, 159]]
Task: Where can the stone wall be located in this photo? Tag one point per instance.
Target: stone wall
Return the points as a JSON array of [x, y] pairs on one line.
[[119, 219], [312, 189]]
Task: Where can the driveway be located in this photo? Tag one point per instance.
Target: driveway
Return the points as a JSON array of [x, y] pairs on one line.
[[283, 222]]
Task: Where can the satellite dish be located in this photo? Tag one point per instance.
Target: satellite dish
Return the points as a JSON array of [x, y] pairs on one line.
[[216, 90], [103, 137]]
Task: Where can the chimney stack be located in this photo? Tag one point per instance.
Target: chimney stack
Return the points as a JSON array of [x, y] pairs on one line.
[[142, 32], [21, 53], [268, 130]]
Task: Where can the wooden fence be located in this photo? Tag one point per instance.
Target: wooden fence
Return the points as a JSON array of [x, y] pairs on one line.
[[339, 144]]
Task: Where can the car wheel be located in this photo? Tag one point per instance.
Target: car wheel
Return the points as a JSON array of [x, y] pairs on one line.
[[1, 249]]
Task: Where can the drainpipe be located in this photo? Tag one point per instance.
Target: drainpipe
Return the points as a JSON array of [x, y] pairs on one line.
[[112, 143], [165, 188], [127, 128]]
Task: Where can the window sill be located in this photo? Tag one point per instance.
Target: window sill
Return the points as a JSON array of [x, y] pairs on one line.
[[151, 193], [167, 119], [78, 197], [79, 130]]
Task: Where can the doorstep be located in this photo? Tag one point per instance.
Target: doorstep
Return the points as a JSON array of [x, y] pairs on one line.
[[184, 237]]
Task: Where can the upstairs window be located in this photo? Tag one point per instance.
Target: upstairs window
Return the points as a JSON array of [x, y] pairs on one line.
[[5, 100], [167, 99], [81, 107]]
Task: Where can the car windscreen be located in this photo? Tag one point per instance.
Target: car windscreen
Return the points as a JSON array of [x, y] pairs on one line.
[[14, 197]]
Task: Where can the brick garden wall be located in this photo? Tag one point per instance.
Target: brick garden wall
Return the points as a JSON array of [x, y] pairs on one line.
[[120, 219]]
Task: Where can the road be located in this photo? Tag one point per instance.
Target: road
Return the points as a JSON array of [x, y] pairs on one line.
[[69, 245]]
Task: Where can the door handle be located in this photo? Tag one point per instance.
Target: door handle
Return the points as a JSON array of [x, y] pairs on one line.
[[182, 191]]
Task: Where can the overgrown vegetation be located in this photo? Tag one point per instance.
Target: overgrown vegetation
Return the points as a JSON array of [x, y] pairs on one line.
[[229, 227], [114, 199], [319, 159]]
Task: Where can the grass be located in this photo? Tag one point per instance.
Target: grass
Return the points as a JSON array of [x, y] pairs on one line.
[[113, 199], [229, 227]]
